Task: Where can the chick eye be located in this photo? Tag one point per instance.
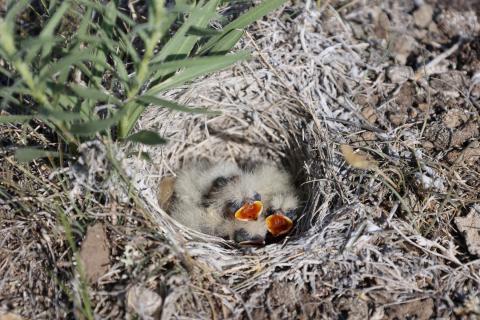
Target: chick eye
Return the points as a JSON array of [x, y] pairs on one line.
[[232, 207], [270, 211], [292, 214], [257, 197]]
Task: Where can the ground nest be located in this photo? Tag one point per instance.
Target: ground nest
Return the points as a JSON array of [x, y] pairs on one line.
[[380, 242]]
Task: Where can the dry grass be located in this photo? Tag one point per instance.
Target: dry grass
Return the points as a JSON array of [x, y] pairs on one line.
[[367, 241]]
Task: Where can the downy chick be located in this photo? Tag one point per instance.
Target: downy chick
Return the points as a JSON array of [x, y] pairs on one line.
[[265, 185], [193, 184], [223, 200], [278, 195]]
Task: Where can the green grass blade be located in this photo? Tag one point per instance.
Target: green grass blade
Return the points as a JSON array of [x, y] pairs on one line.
[[181, 44], [126, 44], [120, 69], [156, 101], [94, 126], [49, 29], [94, 94], [29, 154], [7, 26], [202, 32], [59, 115], [192, 73], [15, 119], [66, 62], [33, 45], [147, 137], [227, 42], [244, 20], [174, 65]]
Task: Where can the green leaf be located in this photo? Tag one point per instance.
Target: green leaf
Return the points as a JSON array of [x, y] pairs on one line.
[[7, 25], [101, 56], [174, 65], [181, 44], [227, 42], [126, 44], [194, 72], [32, 45], [102, 39], [49, 29], [15, 118], [110, 14], [202, 32], [94, 94], [244, 20], [29, 154], [66, 62], [120, 68], [174, 106], [82, 29], [59, 115], [94, 126], [147, 137]]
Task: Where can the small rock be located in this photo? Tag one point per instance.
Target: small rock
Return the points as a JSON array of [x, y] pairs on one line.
[[420, 34], [469, 227], [369, 114], [424, 107], [475, 87], [399, 74], [382, 25], [443, 137], [10, 316], [454, 118], [402, 46], [439, 135], [469, 155], [144, 302], [455, 23], [423, 16], [421, 310], [433, 28], [450, 83], [405, 96], [466, 132], [94, 253], [397, 119], [368, 136]]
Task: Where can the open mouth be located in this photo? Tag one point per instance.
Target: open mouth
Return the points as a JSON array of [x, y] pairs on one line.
[[249, 211], [278, 224]]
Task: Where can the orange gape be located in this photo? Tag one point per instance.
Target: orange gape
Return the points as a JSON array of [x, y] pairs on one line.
[[278, 224], [249, 211]]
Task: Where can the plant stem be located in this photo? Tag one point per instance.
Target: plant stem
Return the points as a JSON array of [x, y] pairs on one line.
[[134, 110]]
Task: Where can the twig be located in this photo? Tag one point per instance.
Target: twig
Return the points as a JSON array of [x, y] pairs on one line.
[[429, 68]]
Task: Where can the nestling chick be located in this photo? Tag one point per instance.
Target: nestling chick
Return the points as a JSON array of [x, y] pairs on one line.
[[278, 195], [225, 201], [191, 190]]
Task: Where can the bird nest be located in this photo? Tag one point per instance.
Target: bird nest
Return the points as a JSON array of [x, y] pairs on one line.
[[353, 251]]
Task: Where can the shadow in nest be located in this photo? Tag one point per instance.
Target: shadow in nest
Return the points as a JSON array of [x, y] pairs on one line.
[[303, 155]]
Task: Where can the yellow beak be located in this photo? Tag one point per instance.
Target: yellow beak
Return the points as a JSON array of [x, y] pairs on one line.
[[249, 211], [278, 224]]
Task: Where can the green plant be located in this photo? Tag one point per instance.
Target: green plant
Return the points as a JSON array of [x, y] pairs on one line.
[[88, 69]]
